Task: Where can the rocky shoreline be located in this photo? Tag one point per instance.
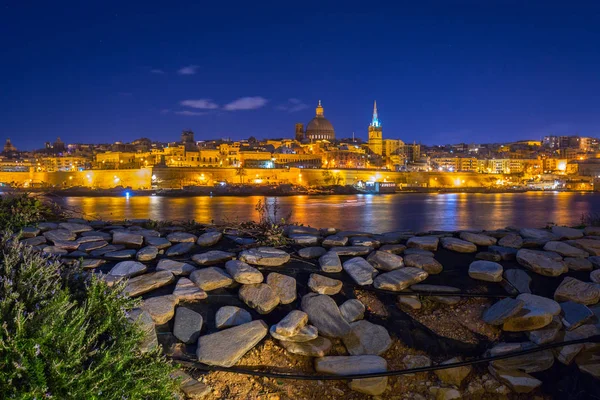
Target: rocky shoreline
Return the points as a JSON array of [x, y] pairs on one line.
[[330, 302]]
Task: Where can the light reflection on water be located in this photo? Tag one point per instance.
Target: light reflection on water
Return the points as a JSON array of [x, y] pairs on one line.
[[365, 212]]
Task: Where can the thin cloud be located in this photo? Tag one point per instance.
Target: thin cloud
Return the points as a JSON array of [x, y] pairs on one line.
[[189, 70], [190, 113], [246, 103], [292, 105], [165, 111], [157, 71], [203, 104]]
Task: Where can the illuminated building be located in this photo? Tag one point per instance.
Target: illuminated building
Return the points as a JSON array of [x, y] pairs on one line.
[[375, 133], [319, 128]]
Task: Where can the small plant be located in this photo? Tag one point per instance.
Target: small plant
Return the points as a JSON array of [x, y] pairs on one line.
[[20, 210], [64, 335]]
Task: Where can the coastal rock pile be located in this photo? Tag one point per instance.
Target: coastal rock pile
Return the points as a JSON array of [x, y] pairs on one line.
[[314, 312]]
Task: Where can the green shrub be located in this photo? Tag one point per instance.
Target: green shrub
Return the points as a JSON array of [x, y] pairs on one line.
[[66, 336], [19, 210]]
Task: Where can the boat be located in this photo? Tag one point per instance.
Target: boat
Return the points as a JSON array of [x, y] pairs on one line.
[[375, 187]]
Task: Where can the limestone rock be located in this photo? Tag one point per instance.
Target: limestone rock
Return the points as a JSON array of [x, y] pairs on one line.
[[409, 302], [291, 324], [175, 267], [158, 242], [187, 326], [567, 354], [107, 249], [209, 239], [259, 296], [352, 250], [181, 237], [91, 263], [34, 241], [367, 338], [488, 271], [360, 270], [517, 381], [590, 245], [305, 334], [75, 227], [304, 239], [453, 376], [426, 263], [540, 263], [578, 264], [191, 388], [393, 248], [563, 232], [502, 310], [536, 234], [66, 244], [228, 316], [128, 239], [415, 361], [225, 348], [54, 251], [144, 320], [385, 261], [478, 239], [117, 255], [513, 241], [212, 257], [369, 386], [564, 249], [458, 245], [517, 280], [350, 365], [243, 273], [127, 269], [179, 249], [59, 234], [546, 334], [574, 314], [90, 246], [400, 279], [325, 315], [488, 256], [352, 310], [266, 256], [284, 286], [147, 253], [537, 312], [186, 290], [30, 232], [324, 285], [311, 252], [365, 241], [415, 250], [161, 308], [575, 290], [595, 276], [335, 240], [529, 363], [423, 242], [211, 278], [330, 262], [318, 347], [148, 282]]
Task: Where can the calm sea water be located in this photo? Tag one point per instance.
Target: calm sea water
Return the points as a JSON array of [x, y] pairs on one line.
[[375, 213]]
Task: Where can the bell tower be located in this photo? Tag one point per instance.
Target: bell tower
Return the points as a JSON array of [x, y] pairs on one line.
[[375, 133]]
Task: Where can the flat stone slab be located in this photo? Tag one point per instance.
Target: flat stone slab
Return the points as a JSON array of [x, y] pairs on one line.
[[595, 276], [54, 251], [209, 239], [148, 282], [291, 324], [91, 263], [478, 239], [260, 296], [179, 249], [90, 246], [350, 365], [228, 316], [34, 241], [352, 310], [108, 249], [325, 315], [385, 261], [367, 338], [59, 234], [517, 381], [75, 227], [304, 239], [400, 279], [578, 264], [563, 232], [513, 241], [158, 242], [306, 334], [487, 271], [536, 234], [360, 270], [225, 348], [571, 289], [330, 262], [574, 314], [212, 257], [144, 320], [117, 255], [161, 308], [311, 252], [517, 280], [318, 347], [547, 334], [188, 325], [66, 244], [243, 273], [458, 245], [537, 312], [284, 286], [29, 232], [265, 256], [540, 263], [128, 269], [453, 376], [393, 248], [181, 237], [324, 285], [352, 250], [424, 242], [589, 245], [365, 241], [147, 253], [565, 249], [425, 262], [211, 278], [175, 267], [335, 240], [186, 290], [415, 250], [502, 310], [128, 239]]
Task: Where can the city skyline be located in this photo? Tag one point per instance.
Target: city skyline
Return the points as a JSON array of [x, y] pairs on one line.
[[450, 73]]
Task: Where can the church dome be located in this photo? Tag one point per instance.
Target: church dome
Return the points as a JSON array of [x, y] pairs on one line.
[[319, 127]]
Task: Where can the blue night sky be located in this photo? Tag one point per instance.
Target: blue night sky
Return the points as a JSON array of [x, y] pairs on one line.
[[441, 71]]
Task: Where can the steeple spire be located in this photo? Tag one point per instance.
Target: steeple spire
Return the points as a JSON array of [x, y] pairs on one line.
[[319, 109], [375, 122]]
